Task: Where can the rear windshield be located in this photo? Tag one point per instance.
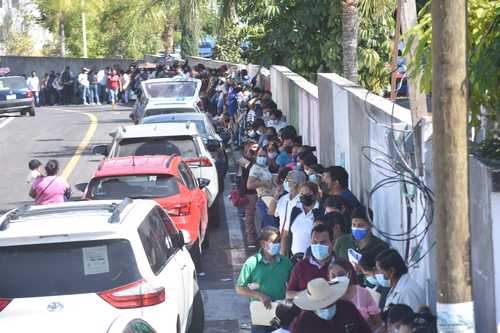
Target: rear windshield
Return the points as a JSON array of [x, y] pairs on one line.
[[200, 124], [135, 186], [66, 268], [182, 146], [177, 89], [156, 112], [15, 83]]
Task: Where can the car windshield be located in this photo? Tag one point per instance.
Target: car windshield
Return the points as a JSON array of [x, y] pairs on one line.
[[206, 45], [134, 186], [200, 124], [66, 268], [183, 146], [156, 112], [12, 83], [173, 89]]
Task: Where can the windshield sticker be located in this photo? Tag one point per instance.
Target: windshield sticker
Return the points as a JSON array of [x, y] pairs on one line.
[[95, 260]]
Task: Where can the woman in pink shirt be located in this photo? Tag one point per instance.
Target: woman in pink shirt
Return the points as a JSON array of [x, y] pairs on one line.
[[51, 188], [355, 293]]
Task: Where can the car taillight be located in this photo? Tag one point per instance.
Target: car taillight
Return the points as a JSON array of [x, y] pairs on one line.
[[29, 94], [180, 210], [135, 295], [4, 302], [203, 161]]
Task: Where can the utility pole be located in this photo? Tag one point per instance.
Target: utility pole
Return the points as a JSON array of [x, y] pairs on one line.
[[455, 308], [84, 30], [394, 67]]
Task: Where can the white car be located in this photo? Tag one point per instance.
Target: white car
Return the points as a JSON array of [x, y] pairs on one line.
[[167, 139], [166, 96], [80, 266]]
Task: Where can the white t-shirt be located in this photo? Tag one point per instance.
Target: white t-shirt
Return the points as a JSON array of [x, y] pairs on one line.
[[301, 230], [83, 79], [406, 291], [262, 174], [284, 208], [33, 83], [281, 330]]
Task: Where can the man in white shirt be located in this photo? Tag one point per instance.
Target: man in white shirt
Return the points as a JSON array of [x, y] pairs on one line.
[[34, 85], [84, 85], [276, 120]]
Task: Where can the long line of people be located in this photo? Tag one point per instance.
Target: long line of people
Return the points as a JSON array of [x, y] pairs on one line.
[[317, 258]]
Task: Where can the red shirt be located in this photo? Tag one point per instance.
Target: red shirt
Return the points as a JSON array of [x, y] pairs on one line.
[[113, 81], [305, 271], [347, 319]]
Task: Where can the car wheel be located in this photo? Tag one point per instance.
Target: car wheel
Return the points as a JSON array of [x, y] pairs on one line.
[[195, 252], [31, 111], [214, 213], [197, 323], [23, 112]]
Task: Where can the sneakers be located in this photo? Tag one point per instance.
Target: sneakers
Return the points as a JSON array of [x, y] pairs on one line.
[[99, 103]]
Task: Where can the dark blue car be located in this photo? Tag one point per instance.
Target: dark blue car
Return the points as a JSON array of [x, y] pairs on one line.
[[15, 96]]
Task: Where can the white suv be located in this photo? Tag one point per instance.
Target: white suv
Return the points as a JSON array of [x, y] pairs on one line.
[[95, 262], [167, 139]]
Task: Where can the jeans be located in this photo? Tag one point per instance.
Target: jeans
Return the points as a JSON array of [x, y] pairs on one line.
[[102, 92], [36, 98], [125, 96], [250, 230], [84, 92], [113, 96], [266, 219], [261, 329], [94, 94]]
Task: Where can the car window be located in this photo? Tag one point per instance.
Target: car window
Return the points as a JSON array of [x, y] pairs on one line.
[[157, 243], [138, 326], [183, 146], [7, 83], [200, 124], [187, 176], [66, 268], [177, 89], [156, 112], [133, 186]]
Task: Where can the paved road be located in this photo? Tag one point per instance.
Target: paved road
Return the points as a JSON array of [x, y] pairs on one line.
[[57, 132]]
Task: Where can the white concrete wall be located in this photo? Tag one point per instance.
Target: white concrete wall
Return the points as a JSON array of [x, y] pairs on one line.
[[495, 215]]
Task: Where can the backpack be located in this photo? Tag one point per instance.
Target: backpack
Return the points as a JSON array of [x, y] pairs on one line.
[[296, 211]]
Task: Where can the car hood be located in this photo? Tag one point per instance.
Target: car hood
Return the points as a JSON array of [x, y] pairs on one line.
[[172, 89]]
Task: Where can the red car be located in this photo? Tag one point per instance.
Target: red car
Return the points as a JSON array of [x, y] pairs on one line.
[[165, 179]]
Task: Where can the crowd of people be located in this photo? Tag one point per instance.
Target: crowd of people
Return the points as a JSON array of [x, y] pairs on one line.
[[317, 261]]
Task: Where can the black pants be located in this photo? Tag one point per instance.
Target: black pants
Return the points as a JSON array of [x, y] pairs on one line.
[[67, 95]]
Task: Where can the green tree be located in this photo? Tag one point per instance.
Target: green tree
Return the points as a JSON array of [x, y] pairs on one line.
[[55, 16], [14, 39], [190, 26]]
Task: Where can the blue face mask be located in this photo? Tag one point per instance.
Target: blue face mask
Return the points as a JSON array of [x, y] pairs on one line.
[[372, 280], [261, 160], [313, 178], [382, 281], [320, 251], [359, 233], [286, 186], [328, 313], [273, 249]]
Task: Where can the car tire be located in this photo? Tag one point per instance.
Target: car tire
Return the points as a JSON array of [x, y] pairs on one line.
[[214, 213], [195, 252], [23, 112], [31, 111], [197, 323]]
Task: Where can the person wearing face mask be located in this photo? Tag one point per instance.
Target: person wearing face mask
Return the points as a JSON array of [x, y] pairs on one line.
[[336, 182], [361, 229], [261, 180], [400, 318], [368, 271], [323, 310], [315, 172], [296, 236], [316, 263], [355, 293], [392, 272], [272, 154], [264, 275], [276, 120], [308, 160]]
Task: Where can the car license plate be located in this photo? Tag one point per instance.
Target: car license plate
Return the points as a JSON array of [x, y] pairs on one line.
[[10, 97]]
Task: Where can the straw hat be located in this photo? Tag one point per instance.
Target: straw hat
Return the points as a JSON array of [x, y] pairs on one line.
[[321, 293]]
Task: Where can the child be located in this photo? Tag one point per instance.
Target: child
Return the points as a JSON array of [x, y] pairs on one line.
[[285, 314], [36, 170]]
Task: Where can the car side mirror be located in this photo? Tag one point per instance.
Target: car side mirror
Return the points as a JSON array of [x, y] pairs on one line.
[[203, 182], [212, 145], [81, 187], [100, 150]]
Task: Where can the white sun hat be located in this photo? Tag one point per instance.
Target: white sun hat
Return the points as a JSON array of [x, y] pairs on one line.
[[321, 293]]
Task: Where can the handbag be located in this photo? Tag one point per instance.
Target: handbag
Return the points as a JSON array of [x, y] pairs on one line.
[[237, 199]]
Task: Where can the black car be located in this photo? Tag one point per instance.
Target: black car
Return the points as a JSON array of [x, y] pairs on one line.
[[15, 96]]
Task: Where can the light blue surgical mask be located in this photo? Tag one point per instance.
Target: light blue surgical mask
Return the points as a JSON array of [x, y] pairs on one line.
[[261, 160], [286, 186], [359, 233], [382, 281], [328, 313], [313, 178], [372, 280], [320, 251], [273, 249]]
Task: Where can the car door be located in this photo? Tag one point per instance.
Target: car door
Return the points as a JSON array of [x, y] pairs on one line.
[[161, 251]]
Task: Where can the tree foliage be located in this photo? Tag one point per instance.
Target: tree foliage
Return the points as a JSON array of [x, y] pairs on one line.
[[14, 38]]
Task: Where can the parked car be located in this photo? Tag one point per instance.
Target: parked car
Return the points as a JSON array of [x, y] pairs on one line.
[[166, 96], [207, 131], [170, 139], [130, 325], [206, 49], [165, 179], [78, 266], [15, 96]]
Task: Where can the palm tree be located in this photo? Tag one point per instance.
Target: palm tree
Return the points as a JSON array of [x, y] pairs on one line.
[[190, 26], [350, 26], [56, 13]]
